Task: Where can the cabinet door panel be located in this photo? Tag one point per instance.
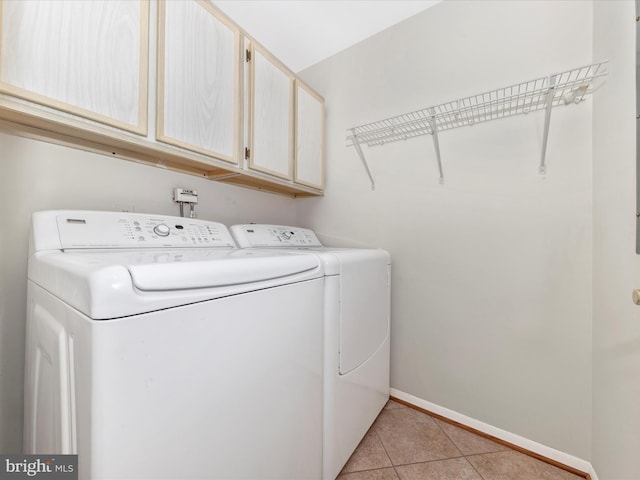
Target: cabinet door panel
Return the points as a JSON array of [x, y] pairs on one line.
[[309, 137], [271, 116], [86, 58], [198, 80]]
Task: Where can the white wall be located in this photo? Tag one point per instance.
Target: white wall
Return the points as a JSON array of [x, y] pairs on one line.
[[39, 176], [616, 320], [491, 296]]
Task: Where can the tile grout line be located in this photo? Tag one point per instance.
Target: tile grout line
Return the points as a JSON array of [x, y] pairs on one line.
[[474, 468], [375, 431], [452, 441]]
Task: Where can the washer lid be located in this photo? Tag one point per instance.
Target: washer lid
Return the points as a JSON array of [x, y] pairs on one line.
[[207, 274], [113, 284], [183, 270]]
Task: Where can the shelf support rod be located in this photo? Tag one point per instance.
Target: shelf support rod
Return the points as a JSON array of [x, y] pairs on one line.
[[356, 144], [547, 118], [436, 143]]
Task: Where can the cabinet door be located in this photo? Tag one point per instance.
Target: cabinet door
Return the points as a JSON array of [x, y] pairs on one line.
[[85, 58], [309, 164], [198, 79], [271, 115]]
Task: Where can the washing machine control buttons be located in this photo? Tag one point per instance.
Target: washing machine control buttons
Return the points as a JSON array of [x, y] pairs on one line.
[[162, 230]]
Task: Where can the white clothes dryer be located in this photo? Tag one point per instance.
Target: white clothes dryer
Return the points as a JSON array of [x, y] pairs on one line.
[[157, 349], [356, 333]]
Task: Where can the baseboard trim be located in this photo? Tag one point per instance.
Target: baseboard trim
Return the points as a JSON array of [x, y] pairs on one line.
[[550, 455], [592, 473]]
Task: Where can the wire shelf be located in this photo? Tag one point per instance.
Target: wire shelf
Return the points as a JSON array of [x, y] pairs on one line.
[[542, 93], [570, 87]]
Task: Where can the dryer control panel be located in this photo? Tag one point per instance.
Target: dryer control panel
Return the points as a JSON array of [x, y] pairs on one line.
[[261, 235], [93, 229]]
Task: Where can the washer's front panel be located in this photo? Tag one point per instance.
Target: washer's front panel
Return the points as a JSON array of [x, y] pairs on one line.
[[225, 389]]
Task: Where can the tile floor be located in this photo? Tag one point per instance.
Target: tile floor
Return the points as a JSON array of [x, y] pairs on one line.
[[404, 444]]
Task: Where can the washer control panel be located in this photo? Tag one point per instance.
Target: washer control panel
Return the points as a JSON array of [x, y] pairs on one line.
[[261, 235], [128, 230]]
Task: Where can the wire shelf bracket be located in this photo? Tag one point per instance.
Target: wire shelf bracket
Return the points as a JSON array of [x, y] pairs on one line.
[[547, 119], [436, 143], [565, 88], [363, 159]]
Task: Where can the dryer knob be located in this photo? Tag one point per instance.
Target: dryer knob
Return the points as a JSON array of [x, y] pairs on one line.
[[161, 230]]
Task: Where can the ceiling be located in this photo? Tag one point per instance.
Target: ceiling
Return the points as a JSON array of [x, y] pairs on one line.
[[303, 32]]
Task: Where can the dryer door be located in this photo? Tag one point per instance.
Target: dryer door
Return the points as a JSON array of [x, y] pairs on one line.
[[364, 305]]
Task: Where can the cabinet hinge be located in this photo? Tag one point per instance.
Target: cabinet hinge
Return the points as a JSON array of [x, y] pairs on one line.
[[247, 153], [247, 55]]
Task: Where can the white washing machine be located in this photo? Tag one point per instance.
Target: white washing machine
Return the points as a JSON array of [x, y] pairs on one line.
[[158, 350], [357, 321]]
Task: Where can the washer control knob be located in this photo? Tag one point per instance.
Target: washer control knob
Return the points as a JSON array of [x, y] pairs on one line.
[[636, 296], [161, 230]]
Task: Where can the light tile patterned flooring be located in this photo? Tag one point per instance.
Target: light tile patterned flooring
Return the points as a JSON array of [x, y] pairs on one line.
[[404, 444]]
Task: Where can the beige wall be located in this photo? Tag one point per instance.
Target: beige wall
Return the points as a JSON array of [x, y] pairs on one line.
[[39, 176], [616, 267], [491, 292]]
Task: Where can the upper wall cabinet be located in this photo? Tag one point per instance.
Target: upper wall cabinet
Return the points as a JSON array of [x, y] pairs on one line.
[[270, 115], [85, 58], [198, 79], [309, 159], [76, 72]]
